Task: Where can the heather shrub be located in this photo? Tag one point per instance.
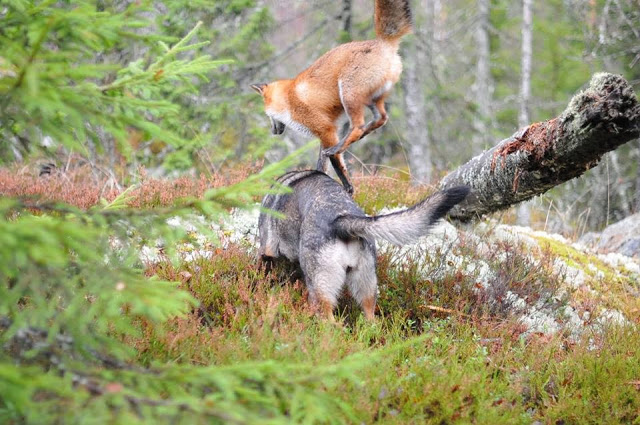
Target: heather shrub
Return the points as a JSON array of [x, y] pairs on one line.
[[79, 186], [376, 192]]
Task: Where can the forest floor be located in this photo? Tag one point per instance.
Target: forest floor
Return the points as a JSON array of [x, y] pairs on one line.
[[487, 323]]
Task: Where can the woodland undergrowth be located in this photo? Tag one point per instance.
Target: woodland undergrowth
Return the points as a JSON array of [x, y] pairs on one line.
[[241, 344]]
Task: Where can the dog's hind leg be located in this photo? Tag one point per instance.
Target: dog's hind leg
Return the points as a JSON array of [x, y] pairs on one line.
[[363, 284], [325, 284], [321, 306]]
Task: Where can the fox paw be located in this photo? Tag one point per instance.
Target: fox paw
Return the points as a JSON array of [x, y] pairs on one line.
[[322, 164], [349, 189], [331, 151]]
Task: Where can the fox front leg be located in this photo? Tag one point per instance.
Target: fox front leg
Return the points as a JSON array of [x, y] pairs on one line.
[[323, 162], [328, 136], [340, 167], [337, 161]]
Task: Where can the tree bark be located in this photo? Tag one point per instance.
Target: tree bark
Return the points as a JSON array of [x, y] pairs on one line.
[[483, 85], [417, 131], [546, 154]]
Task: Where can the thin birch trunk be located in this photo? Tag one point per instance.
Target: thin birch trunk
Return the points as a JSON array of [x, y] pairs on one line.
[[523, 216], [483, 85]]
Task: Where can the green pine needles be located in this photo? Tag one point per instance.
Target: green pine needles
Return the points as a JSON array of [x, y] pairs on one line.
[[61, 76]]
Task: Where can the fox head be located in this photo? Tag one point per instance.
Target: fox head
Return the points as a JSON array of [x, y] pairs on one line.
[[275, 103]]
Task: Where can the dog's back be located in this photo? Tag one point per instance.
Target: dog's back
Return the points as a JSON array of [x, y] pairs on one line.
[[334, 240]]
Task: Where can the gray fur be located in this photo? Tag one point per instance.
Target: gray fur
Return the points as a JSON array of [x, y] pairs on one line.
[[331, 237]]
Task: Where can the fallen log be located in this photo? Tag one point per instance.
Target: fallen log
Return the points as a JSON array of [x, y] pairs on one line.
[[543, 155]]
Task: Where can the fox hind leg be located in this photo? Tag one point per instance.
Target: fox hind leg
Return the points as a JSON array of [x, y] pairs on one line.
[[353, 105], [356, 133], [380, 116]]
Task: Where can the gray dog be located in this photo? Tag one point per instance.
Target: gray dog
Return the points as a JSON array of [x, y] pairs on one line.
[[333, 239]]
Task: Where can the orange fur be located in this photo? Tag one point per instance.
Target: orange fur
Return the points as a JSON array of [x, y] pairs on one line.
[[369, 307], [344, 80]]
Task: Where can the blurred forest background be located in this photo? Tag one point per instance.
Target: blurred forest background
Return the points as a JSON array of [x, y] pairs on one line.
[[474, 72]]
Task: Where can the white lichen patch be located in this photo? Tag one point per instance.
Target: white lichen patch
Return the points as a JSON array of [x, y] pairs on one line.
[[243, 227], [515, 302], [611, 317], [616, 260], [595, 271], [566, 285], [435, 255], [482, 273], [540, 321], [240, 227], [574, 277], [150, 255], [572, 320]]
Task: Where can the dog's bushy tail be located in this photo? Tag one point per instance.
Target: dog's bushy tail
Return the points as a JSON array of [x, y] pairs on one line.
[[406, 226]]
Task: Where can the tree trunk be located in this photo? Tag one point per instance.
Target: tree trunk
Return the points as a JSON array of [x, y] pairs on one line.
[[523, 215], [636, 204], [546, 154], [346, 17], [417, 131], [419, 140], [483, 86], [525, 65]]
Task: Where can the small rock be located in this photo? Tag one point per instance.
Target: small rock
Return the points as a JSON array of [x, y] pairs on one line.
[[185, 276]]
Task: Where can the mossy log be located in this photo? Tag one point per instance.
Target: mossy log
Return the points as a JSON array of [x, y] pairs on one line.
[[546, 154]]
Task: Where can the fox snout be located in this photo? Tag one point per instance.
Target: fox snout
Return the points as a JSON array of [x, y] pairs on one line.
[[266, 91], [277, 127]]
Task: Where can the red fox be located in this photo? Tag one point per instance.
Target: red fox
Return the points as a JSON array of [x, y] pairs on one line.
[[344, 80]]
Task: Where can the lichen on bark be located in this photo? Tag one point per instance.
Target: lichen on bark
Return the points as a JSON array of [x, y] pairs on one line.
[[543, 155]]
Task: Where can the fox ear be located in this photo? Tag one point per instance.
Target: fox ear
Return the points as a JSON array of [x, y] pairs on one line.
[[259, 87]]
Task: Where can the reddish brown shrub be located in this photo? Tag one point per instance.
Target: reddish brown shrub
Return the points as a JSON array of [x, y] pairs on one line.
[[84, 187]]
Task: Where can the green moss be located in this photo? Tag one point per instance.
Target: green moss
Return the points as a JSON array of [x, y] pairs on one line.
[[576, 259], [612, 285]]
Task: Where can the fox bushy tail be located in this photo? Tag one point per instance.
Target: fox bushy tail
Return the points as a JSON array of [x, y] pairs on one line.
[[406, 226], [392, 19]]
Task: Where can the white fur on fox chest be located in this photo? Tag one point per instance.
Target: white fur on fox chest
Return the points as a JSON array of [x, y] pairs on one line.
[[285, 118]]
